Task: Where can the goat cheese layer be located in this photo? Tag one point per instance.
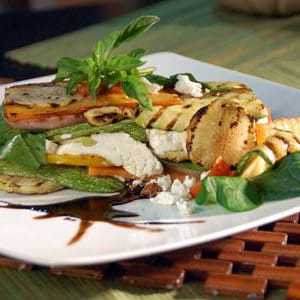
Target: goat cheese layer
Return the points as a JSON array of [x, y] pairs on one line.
[[162, 141], [121, 150]]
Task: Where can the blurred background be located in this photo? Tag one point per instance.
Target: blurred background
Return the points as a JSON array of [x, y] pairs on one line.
[[23, 22]]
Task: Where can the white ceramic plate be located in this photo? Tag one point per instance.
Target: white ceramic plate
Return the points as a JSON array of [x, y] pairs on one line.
[[45, 242]]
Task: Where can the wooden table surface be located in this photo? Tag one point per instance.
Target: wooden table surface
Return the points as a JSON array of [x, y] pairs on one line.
[[261, 46]]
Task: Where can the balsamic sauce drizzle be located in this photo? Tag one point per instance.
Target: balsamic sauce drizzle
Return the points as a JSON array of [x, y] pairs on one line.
[[89, 210]]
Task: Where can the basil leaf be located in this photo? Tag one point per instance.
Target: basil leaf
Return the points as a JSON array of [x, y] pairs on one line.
[[26, 149], [135, 28], [73, 177], [137, 53], [124, 62], [283, 181], [94, 85], [134, 88], [66, 66], [233, 193], [103, 48], [74, 80], [100, 68]]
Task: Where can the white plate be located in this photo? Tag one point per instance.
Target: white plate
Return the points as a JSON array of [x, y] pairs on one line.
[[45, 242]]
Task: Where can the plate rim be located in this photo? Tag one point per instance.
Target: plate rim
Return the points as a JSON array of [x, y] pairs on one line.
[[84, 260]]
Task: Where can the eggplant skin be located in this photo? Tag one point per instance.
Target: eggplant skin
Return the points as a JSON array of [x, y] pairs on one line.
[[221, 129], [27, 186]]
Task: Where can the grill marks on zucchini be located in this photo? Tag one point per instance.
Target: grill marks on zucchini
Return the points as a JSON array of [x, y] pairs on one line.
[[220, 129], [178, 117]]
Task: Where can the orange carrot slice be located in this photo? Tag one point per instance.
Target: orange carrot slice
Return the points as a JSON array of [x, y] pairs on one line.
[[110, 171]]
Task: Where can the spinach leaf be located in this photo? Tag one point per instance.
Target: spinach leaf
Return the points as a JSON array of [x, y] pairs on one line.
[[158, 79], [27, 149], [233, 193], [6, 132], [72, 177], [172, 80], [283, 181], [184, 165]]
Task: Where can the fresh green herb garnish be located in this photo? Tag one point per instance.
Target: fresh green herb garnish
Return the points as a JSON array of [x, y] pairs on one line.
[[105, 69]]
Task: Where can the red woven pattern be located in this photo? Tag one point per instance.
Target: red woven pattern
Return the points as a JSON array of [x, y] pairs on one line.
[[245, 265]]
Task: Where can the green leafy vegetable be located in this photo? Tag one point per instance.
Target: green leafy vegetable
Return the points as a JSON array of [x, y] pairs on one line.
[[172, 80], [130, 127], [283, 181], [104, 69], [27, 149], [158, 79], [73, 177], [6, 131], [233, 193], [185, 165], [136, 89]]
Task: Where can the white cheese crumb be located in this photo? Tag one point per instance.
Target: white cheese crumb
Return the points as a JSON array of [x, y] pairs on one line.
[[163, 141], [177, 193], [66, 136], [153, 88], [163, 181], [51, 147], [165, 198], [185, 207], [185, 86], [178, 188]]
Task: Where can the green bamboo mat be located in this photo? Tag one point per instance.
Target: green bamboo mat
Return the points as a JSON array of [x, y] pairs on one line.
[[266, 47]]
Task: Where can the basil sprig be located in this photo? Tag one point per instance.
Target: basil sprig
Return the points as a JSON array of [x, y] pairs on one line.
[[105, 69]]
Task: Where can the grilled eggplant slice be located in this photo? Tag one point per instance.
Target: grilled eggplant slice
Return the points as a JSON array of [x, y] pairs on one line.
[[27, 186], [221, 129]]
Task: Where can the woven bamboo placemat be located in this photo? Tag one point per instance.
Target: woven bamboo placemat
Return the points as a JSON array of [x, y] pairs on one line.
[[266, 47], [249, 265]]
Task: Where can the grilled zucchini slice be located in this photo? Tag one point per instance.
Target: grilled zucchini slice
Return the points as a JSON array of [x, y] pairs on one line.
[[221, 129], [27, 186]]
